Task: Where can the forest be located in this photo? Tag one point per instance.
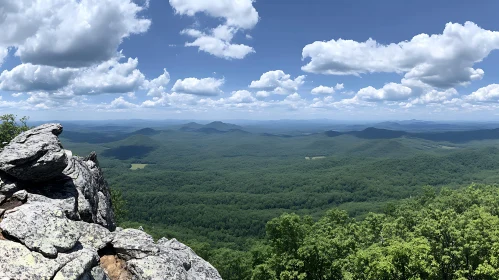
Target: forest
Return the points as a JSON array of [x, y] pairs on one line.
[[317, 205]]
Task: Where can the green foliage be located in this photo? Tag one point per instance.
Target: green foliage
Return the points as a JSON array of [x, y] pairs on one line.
[[446, 235], [10, 128], [216, 193], [119, 205]]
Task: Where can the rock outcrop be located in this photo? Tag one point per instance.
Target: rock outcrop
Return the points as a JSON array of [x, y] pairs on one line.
[[56, 221]]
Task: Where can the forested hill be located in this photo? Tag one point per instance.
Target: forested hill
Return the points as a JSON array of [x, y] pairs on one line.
[[217, 190], [449, 235]]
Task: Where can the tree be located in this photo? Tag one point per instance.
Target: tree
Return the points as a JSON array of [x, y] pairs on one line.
[[119, 205], [10, 128]]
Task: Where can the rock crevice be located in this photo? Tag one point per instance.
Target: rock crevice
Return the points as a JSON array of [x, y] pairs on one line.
[[56, 221]]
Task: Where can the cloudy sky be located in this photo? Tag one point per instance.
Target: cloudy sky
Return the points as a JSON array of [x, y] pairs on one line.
[[244, 59]]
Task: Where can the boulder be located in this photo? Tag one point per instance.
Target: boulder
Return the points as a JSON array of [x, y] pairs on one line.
[[134, 244], [42, 227], [18, 262], [35, 155], [94, 235]]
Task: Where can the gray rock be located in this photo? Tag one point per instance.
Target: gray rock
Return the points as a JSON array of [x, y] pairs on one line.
[[7, 184], [2, 198], [94, 235], [42, 227], [157, 268], [162, 240], [35, 155], [80, 264], [64, 201], [97, 273], [134, 244], [17, 262], [21, 195], [174, 261], [92, 192], [196, 267]]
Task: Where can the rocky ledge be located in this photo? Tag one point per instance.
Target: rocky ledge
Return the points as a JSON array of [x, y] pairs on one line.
[[56, 221]]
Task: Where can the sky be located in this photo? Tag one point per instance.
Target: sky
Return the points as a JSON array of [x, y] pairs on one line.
[[244, 59]]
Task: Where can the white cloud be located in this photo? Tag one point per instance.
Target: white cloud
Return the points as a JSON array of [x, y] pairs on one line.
[[262, 94], [157, 86], [131, 95], [278, 82], [435, 96], [339, 86], [18, 94], [249, 37], [28, 77], [203, 87], [218, 43], [240, 13], [177, 100], [68, 33], [109, 77], [389, 92], [242, 96], [322, 90], [120, 103], [442, 60], [489, 93]]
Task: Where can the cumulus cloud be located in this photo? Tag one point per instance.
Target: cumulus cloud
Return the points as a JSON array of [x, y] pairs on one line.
[[237, 15], [389, 92], [339, 87], [278, 82], [489, 93], [435, 96], [262, 94], [440, 60], [218, 43], [242, 96], [120, 103], [323, 90], [203, 87], [68, 33], [28, 77], [157, 86], [111, 76]]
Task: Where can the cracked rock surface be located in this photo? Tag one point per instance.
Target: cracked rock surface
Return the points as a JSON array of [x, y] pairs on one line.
[[57, 223]]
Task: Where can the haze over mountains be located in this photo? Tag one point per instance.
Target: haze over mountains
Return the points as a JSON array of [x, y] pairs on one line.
[[96, 132]]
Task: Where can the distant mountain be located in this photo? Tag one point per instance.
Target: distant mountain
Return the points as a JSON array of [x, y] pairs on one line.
[[146, 131], [376, 133], [209, 130], [213, 127], [460, 136], [135, 146], [448, 136], [223, 126], [332, 133], [191, 126]]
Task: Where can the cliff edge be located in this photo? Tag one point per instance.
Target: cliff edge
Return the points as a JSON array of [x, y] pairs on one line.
[[56, 221]]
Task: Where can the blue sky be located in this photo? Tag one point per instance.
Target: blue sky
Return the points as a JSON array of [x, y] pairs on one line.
[[243, 59]]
